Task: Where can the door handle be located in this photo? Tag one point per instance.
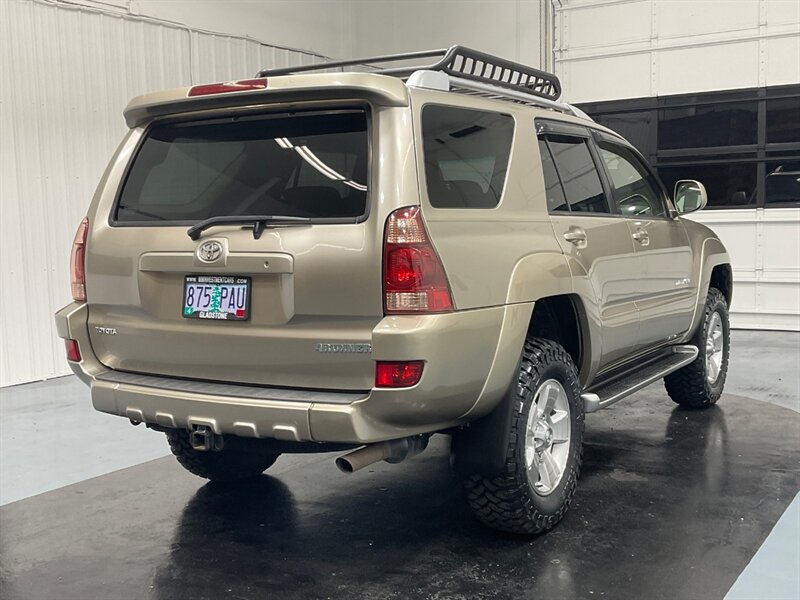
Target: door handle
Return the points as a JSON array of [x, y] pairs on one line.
[[576, 235], [642, 237]]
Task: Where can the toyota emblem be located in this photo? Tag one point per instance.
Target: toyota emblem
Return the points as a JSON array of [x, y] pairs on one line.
[[209, 251]]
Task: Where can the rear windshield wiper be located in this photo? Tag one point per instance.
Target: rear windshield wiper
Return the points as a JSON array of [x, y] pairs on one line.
[[259, 223]]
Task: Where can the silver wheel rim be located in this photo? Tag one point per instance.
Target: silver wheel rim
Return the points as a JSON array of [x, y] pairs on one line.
[[714, 347], [547, 435]]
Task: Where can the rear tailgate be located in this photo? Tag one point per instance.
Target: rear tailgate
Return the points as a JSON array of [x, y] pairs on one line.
[[313, 288]]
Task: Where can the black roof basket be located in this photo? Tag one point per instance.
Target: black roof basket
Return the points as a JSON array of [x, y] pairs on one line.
[[457, 61]]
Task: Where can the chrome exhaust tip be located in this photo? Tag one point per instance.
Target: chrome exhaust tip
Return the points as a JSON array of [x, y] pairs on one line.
[[363, 457], [393, 451]]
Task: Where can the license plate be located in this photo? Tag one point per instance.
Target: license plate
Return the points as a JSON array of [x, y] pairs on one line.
[[220, 297]]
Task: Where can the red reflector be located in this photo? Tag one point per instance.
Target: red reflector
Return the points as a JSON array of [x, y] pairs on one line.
[[398, 374], [242, 85], [73, 351]]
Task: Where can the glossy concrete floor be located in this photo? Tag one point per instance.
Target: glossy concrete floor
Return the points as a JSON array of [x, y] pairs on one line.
[[671, 504]]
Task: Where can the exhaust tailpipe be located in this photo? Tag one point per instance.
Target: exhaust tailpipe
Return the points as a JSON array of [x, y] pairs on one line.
[[363, 457], [393, 451]]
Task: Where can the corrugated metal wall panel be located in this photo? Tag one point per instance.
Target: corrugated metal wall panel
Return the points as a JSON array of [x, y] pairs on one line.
[[67, 73]]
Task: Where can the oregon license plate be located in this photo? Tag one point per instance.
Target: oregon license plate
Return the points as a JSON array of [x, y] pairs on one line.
[[221, 297]]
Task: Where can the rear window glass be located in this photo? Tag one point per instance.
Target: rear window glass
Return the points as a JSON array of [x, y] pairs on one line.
[[552, 185], [303, 164], [466, 156], [578, 174]]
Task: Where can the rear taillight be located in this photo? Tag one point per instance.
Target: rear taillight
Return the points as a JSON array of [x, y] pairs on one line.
[[73, 351], [414, 280], [398, 374], [243, 85], [77, 262]]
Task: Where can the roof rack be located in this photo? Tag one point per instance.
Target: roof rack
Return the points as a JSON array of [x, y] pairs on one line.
[[458, 62]]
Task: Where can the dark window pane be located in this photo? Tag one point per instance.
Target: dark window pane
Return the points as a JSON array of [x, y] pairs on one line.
[[783, 182], [466, 156], [727, 185], [636, 191], [636, 127], [708, 125], [555, 194], [312, 165], [578, 174], [783, 120]]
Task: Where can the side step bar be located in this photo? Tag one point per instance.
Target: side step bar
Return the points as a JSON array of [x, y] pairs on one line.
[[626, 385]]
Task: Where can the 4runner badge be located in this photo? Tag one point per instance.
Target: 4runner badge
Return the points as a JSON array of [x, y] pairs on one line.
[[344, 348], [209, 251]]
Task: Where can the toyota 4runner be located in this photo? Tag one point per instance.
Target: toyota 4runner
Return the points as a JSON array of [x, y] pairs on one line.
[[354, 261]]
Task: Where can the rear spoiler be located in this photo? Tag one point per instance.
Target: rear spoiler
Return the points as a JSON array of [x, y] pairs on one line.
[[380, 89]]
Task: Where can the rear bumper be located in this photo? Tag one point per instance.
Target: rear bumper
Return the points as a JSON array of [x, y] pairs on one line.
[[469, 360]]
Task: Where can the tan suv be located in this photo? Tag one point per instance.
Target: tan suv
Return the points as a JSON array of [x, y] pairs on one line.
[[353, 261]]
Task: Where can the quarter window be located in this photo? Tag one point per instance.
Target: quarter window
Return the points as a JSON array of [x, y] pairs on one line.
[[466, 155], [635, 190], [578, 174]]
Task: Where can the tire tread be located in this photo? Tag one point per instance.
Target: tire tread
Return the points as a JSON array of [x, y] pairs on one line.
[[688, 386], [503, 502]]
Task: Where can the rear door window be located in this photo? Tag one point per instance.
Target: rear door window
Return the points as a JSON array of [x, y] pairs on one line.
[[578, 173], [466, 155], [304, 164], [556, 202]]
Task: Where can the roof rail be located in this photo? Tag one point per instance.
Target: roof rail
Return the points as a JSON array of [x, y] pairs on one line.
[[435, 80], [457, 61]]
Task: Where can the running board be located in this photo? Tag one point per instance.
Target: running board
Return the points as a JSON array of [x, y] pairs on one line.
[[633, 382]]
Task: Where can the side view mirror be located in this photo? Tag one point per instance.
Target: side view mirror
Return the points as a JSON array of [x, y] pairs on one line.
[[690, 196]]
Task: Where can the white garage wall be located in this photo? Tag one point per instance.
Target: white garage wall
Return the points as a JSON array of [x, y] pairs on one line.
[[764, 246], [67, 73], [507, 28], [617, 49], [321, 26]]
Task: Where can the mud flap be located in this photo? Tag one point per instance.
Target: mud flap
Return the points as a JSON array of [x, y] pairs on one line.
[[480, 447]]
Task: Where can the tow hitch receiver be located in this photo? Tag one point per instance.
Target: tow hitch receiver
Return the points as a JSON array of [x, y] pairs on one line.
[[202, 438]]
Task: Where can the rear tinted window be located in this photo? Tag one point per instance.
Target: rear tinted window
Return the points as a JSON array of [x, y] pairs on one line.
[[578, 174], [466, 156], [305, 164], [552, 185]]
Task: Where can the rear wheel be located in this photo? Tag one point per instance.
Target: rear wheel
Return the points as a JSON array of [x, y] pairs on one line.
[[699, 384], [545, 447], [234, 462]]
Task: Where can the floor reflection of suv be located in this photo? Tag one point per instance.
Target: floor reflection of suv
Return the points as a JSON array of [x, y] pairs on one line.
[[311, 261]]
